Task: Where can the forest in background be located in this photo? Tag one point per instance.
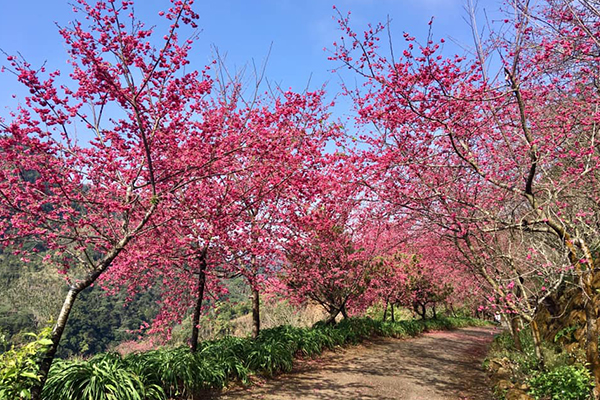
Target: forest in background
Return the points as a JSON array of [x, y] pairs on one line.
[[101, 323]]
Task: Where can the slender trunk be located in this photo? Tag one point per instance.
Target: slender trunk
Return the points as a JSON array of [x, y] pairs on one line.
[[255, 313], [591, 344], [344, 312], [434, 313], [421, 310], [514, 331], [392, 311], [199, 299], [385, 309], [59, 327], [333, 313], [74, 290], [537, 342], [452, 311]]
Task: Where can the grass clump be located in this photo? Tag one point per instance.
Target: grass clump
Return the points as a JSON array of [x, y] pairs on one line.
[[103, 377]]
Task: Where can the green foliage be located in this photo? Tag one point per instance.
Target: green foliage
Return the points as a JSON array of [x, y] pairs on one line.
[[313, 342], [438, 324], [98, 322], [567, 333], [222, 317], [104, 377], [19, 367], [18, 284], [567, 382], [228, 355], [33, 292], [271, 357], [13, 322], [225, 314], [3, 342], [463, 322], [524, 362], [562, 378]]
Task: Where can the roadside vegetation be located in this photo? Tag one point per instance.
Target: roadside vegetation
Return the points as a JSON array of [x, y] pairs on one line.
[[516, 373], [176, 373]]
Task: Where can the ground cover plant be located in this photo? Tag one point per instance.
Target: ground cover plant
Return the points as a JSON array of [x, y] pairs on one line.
[[563, 375]]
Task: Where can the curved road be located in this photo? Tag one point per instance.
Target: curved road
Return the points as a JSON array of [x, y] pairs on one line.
[[435, 366]]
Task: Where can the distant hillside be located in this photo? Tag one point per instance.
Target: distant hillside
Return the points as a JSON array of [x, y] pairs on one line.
[[33, 293]]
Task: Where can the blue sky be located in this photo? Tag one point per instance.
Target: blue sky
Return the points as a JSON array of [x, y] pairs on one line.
[[242, 29]]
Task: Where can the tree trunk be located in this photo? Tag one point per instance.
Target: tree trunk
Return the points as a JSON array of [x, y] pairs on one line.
[[392, 311], [344, 312], [255, 313], [514, 331], [385, 309], [59, 327], [74, 290], [451, 309], [434, 313], [199, 299], [330, 319], [591, 344], [537, 342], [420, 310]]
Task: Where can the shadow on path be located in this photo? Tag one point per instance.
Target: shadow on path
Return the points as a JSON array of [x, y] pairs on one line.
[[436, 366]]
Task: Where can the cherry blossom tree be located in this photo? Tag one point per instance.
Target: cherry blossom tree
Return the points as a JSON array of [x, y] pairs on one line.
[[179, 258], [478, 151], [326, 261], [150, 124], [185, 252], [275, 176], [230, 224]]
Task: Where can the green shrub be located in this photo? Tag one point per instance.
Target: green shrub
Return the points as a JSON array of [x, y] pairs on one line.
[[103, 377], [438, 324], [270, 357], [178, 371], [3, 341], [228, 355], [567, 382], [312, 342], [413, 328], [567, 333], [19, 367]]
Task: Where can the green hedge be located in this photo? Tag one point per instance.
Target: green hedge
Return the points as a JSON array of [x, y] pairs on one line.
[[177, 373]]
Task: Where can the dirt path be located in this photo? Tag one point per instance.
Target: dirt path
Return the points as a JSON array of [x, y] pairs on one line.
[[436, 366]]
